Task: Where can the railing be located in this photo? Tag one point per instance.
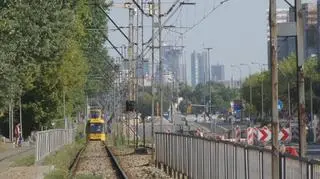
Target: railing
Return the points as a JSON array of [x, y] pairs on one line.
[[51, 140], [201, 158]]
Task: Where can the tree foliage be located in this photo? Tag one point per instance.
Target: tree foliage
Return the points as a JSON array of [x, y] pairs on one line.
[[287, 84], [46, 53], [221, 97]]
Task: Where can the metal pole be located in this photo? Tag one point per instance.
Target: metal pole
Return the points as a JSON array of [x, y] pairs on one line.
[[240, 81], [311, 100], [142, 60], [300, 77], [152, 79], [250, 89], [10, 124], [64, 110], [20, 114], [289, 100], [262, 100], [250, 83], [209, 77], [172, 102], [137, 79], [161, 68], [132, 68], [130, 53], [274, 63]]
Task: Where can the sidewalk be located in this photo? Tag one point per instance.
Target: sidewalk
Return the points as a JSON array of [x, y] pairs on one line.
[[7, 150]]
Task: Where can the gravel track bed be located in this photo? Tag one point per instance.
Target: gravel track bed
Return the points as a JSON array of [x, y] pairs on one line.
[[95, 160], [137, 166]]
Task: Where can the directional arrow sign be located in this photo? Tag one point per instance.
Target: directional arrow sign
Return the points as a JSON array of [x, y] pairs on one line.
[[284, 134], [264, 134]]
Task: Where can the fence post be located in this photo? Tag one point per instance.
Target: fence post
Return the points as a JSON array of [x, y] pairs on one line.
[[37, 146]]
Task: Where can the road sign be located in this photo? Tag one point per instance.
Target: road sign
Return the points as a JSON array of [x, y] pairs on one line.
[[264, 134], [284, 134], [280, 104]]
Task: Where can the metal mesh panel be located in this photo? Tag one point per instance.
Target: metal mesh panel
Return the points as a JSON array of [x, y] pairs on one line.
[[253, 164], [294, 169], [230, 161], [222, 159], [240, 163], [266, 165], [316, 171]]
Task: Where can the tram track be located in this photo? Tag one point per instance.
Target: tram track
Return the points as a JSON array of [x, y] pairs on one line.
[[96, 159]]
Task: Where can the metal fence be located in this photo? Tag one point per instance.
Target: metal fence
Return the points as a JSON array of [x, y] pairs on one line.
[[51, 140], [201, 158]]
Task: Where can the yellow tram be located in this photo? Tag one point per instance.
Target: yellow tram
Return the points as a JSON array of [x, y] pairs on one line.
[[95, 128]]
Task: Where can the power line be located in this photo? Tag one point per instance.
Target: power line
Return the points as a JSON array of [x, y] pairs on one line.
[[206, 15]]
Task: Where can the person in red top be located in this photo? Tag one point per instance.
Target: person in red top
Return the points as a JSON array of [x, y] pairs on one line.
[[17, 132]]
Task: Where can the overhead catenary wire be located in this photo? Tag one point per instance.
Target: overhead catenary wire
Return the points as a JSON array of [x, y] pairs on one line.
[[214, 8]]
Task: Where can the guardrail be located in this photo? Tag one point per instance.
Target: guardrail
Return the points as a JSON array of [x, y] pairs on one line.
[[51, 140], [201, 158]]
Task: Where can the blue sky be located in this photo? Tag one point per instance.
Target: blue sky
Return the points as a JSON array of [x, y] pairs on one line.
[[236, 31]]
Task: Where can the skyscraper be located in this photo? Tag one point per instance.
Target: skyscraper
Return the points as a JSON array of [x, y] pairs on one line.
[[217, 73], [171, 59], [194, 69], [199, 68]]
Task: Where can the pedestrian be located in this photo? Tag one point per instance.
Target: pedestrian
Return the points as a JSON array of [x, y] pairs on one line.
[[18, 137]]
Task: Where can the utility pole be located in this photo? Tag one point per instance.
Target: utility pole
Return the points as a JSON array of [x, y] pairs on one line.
[[10, 123], [209, 71], [131, 68], [250, 86], [142, 60], [274, 71], [64, 110], [151, 6], [289, 100], [300, 77], [137, 78], [20, 114], [160, 67]]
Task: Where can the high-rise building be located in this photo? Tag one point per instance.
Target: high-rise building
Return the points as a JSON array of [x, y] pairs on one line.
[[194, 69], [287, 45], [183, 72], [203, 67], [217, 73], [171, 59], [199, 68]]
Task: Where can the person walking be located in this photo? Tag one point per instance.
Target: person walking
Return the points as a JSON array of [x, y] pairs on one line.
[[18, 136]]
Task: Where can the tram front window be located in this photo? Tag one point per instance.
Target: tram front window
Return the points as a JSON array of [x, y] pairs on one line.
[[94, 114], [96, 128]]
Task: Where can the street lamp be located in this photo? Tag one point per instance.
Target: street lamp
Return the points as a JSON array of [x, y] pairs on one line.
[[236, 66], [242, 64], [261, 68], [209, 75]]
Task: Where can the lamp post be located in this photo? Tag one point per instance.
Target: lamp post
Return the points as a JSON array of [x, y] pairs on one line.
[[242, 64], [209, 76], [262, 100], [235, 66]]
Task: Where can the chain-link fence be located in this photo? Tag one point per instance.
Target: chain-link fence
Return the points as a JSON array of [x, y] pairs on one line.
[[201, 158], [51, 140]]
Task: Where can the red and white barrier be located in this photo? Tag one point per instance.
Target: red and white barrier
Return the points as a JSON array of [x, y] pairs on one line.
[[251, 135], [264, 134]]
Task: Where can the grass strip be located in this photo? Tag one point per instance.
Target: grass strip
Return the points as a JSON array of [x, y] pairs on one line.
[[62, 159]]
